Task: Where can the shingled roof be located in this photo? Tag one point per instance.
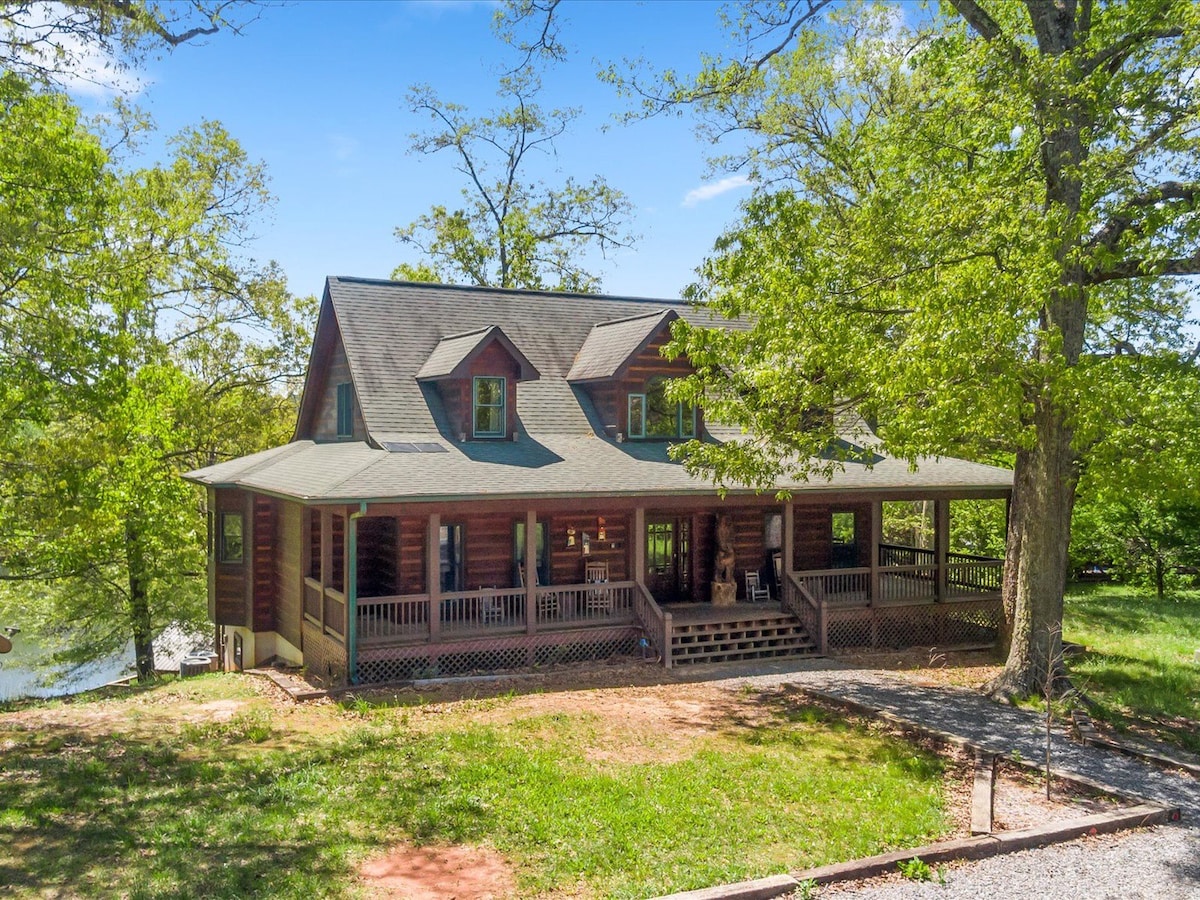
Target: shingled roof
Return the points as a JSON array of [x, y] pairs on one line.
[[451, 356], [611, 345], [396, 332]]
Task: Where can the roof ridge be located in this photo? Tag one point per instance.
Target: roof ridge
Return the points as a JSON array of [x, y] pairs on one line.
[[463, 334], [486, 289], [646, 315]]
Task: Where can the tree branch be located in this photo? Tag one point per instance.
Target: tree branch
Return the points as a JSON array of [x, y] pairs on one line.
[[1140, 267], [1108, 236], [978, 18]]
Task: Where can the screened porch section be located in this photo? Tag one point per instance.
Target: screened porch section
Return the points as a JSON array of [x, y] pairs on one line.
[[894, 594]]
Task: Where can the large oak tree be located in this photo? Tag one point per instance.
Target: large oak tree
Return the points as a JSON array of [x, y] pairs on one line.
[[970, 228]]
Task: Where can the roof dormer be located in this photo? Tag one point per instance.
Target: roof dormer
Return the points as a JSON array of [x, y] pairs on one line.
[[476, 375], [611, 347], [621, 367]]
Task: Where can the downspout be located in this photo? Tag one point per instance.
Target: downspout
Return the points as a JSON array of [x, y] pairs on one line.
[[352, 593]]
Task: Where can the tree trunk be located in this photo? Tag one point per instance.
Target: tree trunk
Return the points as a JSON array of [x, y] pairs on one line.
[[139, 605], [1159, 577], [1036, 559]]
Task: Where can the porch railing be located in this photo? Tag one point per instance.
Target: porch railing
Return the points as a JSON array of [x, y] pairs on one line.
[[487, 609], [899, 584], [657, 623], [325, 608], [970, 575], [843, 586], [406, 618], [393, 618], [804, 606], [900, 555], [572, 605]]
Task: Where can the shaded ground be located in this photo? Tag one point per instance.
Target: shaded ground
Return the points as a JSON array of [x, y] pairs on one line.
[[627, 720]]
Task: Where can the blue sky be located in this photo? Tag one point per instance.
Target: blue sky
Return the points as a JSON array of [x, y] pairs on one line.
[[316, 91]]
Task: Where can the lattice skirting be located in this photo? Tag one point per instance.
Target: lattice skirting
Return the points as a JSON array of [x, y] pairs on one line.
[[897, 627], [381, 664], [324, 658]]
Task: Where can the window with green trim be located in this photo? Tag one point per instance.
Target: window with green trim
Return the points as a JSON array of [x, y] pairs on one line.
[[637, 415], [488, 406], [653, 415], [345, 409]]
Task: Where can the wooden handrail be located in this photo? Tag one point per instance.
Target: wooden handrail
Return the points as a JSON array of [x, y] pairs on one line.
[[812, 614], [658, 632]]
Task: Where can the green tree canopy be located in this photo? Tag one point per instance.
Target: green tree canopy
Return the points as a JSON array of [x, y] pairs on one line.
[[511, 231], [967, 231], [136, 342]]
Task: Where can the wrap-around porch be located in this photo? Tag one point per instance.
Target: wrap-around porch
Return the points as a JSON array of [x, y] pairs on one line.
[[640, 581]]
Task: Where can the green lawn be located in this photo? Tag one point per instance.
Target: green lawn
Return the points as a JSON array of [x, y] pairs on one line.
[[275, 803], [1141, 659]]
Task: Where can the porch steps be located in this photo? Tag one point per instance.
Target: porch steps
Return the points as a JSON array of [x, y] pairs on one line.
[[763, 635]]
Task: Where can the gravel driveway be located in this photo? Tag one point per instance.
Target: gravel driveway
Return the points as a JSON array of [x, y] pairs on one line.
[[1161, 862]]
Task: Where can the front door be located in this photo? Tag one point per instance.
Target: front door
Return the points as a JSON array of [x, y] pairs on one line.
[[668, 551]]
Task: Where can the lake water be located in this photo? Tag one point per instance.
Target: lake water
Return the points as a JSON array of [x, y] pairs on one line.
[[22, 675]]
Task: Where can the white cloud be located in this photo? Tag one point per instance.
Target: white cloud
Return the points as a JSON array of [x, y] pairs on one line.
[[83, 68], [343, 146], [715, 189]]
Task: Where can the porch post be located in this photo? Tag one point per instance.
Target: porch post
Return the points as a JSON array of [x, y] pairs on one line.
[[531, 574], [639, 544], [941, 542], [789, 542], [873, 592], [326, 556], [433, 576]]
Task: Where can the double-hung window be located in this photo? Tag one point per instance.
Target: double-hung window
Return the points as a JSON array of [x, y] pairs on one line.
[[488, 402]]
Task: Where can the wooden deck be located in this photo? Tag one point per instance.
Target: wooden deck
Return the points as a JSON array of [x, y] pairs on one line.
[[707, 614]]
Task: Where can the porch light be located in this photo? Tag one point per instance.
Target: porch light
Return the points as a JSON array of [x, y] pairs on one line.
[[570, 535], [601, 534]]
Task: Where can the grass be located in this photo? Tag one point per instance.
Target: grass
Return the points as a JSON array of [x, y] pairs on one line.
[[280, 804], [1140, 663]]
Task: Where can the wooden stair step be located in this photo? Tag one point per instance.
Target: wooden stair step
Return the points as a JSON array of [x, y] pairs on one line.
[[742, 647]]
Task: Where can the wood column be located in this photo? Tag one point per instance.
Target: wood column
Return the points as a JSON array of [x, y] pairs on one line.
[[873, 593], [639, 544], [531, 572], [433, 576], [789, 543], [326, 556], [941, 542]]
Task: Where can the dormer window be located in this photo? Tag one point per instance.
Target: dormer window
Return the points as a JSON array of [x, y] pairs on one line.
[[488, 406], [345, 410], [652, 415]]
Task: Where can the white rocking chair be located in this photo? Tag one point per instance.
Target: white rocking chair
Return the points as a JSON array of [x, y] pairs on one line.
[[755, 590], [599, 600]]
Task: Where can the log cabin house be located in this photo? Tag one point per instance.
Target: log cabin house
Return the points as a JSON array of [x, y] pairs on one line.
[[479, 480]]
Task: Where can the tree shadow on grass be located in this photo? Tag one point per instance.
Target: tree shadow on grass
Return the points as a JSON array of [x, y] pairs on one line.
[[1130, 615], [87, 816]]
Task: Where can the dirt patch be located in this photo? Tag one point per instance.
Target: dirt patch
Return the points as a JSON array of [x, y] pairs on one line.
[[932, 667], [438, 873]]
